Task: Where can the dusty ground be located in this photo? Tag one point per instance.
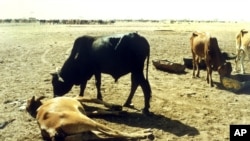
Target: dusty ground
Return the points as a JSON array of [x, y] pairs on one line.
[[184, 108]]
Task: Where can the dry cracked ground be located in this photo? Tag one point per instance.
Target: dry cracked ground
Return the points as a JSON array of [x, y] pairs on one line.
[[184, 108]]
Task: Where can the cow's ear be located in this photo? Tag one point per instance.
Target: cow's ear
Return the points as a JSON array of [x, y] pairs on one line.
[[57, 76], [40, 98], [244, 31], [195, 34], [29, 103], [228, 56], [53, 74], [33, 98]]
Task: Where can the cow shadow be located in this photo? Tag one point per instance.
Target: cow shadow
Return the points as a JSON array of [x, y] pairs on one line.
[[153, 121], [176, 73], [242, 78]]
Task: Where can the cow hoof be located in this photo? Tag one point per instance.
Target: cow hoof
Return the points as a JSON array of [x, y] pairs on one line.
[[242, 72], [129, 105], [147, 113], [151, 137], [235, 71], [116, 108], [100, 98]]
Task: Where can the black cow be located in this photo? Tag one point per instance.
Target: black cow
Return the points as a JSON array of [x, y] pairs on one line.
[[115, 55]]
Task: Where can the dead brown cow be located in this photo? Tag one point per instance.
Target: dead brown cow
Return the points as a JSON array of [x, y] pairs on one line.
[[203, 46], [62, 117]]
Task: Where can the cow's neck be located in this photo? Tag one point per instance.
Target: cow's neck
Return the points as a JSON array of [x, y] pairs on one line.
[[219, 60]]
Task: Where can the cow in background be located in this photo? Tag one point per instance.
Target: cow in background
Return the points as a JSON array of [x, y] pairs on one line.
[[203, 46], [242, 49]]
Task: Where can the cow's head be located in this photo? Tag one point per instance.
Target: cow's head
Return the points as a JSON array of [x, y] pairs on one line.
[[243, 31], [225, 69], [60, 87], [33, 104]]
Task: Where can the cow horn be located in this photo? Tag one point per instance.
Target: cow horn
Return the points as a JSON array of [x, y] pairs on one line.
[[58, 75], [57, 70], [60, 78]]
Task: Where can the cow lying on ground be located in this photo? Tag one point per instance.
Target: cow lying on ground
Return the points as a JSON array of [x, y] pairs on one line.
[[116, 55], [205, 46], [242, 49], [62, 117]]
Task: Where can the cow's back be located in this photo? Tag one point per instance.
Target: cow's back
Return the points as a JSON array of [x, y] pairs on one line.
[[243, 39], [113, 58], [104, 56], [200, 42]]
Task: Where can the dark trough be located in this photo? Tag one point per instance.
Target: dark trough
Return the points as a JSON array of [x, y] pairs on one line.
[[168, 66], [237, 82]]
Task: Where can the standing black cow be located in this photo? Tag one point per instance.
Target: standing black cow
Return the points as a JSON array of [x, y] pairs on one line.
[[115, 55]]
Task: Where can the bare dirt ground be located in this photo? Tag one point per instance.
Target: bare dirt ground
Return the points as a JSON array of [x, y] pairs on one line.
[[184, 108]]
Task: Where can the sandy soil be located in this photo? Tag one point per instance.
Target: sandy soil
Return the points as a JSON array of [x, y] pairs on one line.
[[184, 108]]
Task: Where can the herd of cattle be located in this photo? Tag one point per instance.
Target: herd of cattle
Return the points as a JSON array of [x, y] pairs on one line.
[[119, 55], [57, 21]]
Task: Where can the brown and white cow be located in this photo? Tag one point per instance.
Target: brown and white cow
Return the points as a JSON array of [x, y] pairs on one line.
[[242, 49], [204, 46], [64, 118]]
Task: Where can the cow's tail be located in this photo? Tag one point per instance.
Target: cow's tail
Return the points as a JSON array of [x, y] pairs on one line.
[[147, 67], [148, 56]]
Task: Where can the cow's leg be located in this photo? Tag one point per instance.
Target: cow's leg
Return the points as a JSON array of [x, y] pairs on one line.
[[82, 87], [242, 58], [139, 79], [209, 76], [76, 123], [236, 64], [98, 85], [134, 85], [113, 107], [147, 94], [197, 66], [194, 64], [237, 60]]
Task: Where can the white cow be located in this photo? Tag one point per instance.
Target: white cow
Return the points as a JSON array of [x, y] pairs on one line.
[[242, 49]]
